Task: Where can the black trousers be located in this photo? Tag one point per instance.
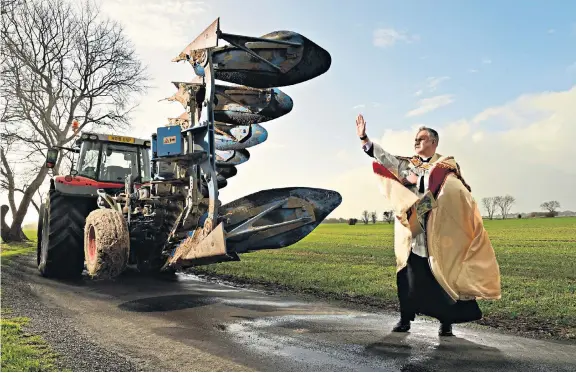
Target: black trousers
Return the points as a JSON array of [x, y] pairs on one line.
[[420, 293]]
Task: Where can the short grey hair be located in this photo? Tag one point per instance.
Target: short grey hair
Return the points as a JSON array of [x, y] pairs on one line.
[[432, 132]]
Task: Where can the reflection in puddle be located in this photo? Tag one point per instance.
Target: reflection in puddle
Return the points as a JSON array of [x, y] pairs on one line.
[[300, 349]]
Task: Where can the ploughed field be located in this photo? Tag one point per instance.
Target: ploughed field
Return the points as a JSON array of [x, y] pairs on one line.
[[537, 259]]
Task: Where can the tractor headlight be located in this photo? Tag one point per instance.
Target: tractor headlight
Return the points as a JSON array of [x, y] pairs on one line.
[[93, 137], [147, 143], [84, 137]]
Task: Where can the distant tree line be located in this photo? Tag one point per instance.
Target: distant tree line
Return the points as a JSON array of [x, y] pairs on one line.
[[504, 203], [501, 204], [366, 217]]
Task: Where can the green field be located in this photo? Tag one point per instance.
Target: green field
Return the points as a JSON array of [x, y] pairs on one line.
[[22, 352], [537, 259]]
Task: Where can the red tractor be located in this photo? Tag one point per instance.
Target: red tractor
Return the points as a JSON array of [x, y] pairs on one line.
[[71, 224]]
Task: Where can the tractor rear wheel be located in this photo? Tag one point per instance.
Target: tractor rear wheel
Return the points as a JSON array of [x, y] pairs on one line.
[[60, 232], [106, 243], [39, 234]]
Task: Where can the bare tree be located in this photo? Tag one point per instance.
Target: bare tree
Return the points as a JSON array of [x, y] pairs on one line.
[[373, 217], [60, 63], [365, 217], [497, 203], [505, 203], [551, 206], [490, 204], [388, 216], [8, 5]]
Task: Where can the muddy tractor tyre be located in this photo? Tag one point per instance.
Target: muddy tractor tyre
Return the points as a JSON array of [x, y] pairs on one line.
[[106, 244], [60, 233]]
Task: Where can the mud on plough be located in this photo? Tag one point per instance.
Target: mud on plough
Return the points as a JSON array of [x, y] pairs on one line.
[[198, 151]]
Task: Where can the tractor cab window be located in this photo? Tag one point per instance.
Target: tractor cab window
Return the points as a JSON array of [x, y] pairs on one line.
[[118, 161], [88, 163], [145, 164]]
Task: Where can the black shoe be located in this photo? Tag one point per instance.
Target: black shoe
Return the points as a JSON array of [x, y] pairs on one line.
[[445, 330], [401, 327]]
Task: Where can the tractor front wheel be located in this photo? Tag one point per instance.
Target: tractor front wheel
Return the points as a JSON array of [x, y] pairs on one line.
[[106, 243]]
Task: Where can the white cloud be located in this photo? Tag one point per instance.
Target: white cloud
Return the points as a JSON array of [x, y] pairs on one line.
[[387, 37], [427, 105], [359, 106], [472, 71], [432, 83], [486, 61], [551, 31], [154, 24], [521, 147]]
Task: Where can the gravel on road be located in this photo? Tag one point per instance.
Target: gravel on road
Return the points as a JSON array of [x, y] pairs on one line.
[[58, 328]]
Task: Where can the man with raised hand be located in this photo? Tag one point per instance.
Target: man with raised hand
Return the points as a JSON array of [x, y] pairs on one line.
[[444, 258]]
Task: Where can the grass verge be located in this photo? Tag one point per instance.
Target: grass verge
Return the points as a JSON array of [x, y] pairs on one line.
[[22, 352], [537, 259]]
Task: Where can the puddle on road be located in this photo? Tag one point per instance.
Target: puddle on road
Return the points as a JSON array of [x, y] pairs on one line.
[[167, 303], [264, 305], [363, 342], [300, 350]]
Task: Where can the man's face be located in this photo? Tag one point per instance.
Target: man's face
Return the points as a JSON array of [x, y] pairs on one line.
[[423, 144]]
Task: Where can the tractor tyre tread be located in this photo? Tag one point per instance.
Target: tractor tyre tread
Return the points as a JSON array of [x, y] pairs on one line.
[[64, 256], [111, 243]]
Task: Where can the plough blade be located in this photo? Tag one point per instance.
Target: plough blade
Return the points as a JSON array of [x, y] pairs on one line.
[[269, 219], [240, 105], [183, 120], [227, 172], [207, 39], [275, 218], [238, 137], [245, 105], [231, 157], [277, 65], [201, 249]]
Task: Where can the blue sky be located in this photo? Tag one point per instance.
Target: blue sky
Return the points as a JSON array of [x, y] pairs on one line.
[[495, 78]]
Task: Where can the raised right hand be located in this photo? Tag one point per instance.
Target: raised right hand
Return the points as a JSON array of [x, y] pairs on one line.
[[360, 126]]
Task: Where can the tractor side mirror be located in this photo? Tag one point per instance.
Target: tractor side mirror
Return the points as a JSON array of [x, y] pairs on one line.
[[51, 158]]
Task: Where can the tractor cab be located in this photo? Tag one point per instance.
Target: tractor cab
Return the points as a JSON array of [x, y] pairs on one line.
[[104, 161]]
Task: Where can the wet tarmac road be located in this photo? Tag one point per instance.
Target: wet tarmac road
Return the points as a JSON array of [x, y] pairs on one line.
[[187, 324]]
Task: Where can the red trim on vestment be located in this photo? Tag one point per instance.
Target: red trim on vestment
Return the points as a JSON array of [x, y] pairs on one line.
[[436, 180], [382, 171], [379, 169]]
